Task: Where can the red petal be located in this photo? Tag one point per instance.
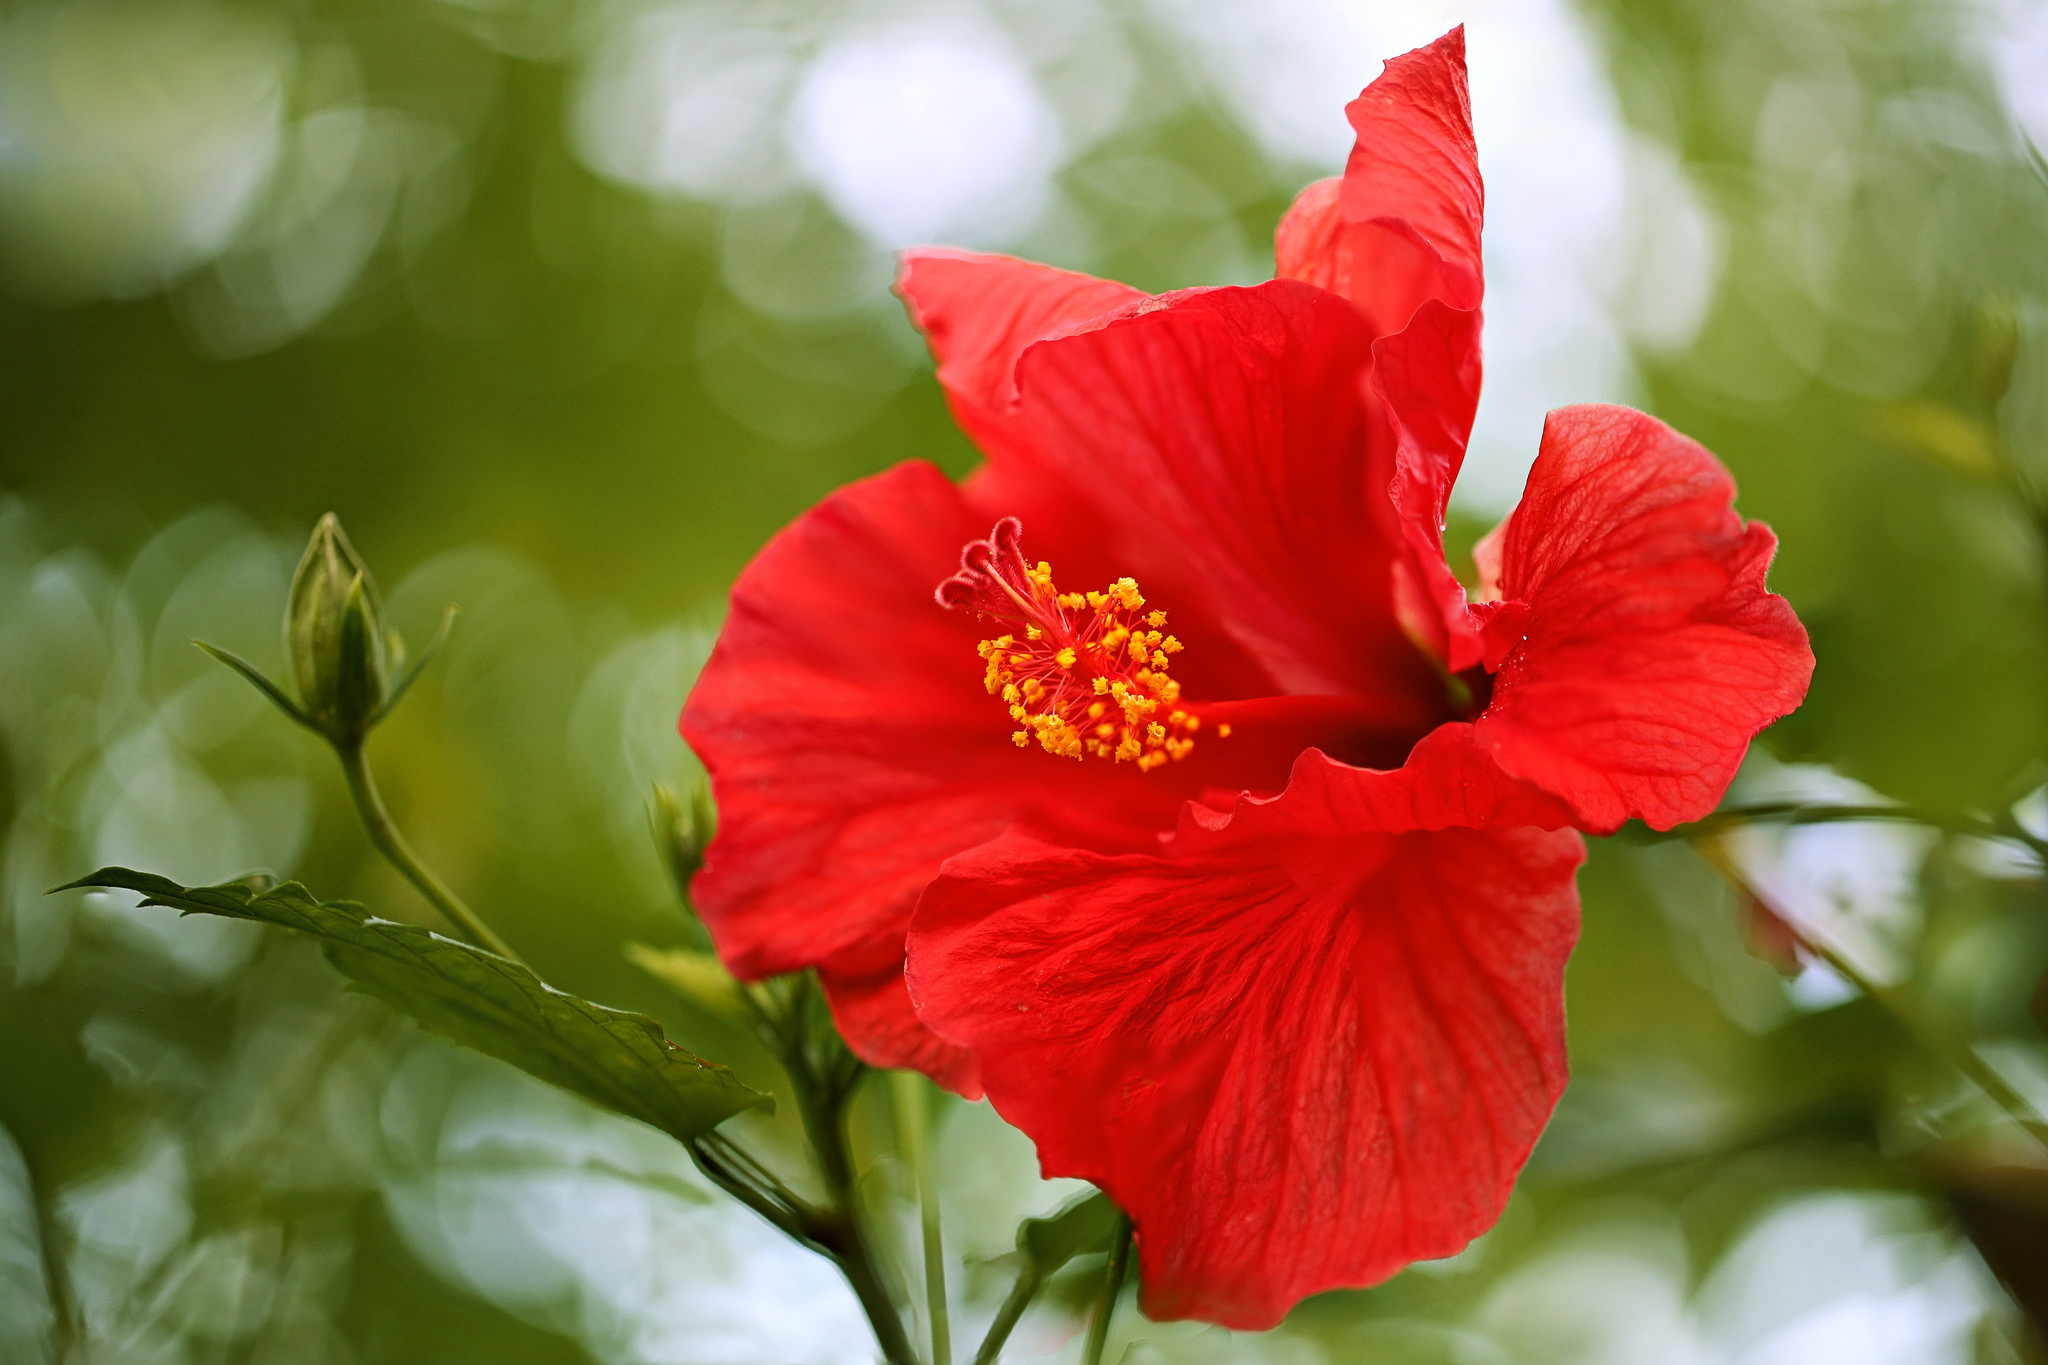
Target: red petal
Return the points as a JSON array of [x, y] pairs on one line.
[[850, 744], [980, 312], [1447, 782], [1223, 439], [1309, 244], [1402, 226], [871, 1005], [1299, 1060], [1428, 377], [1399, 237], [1637, 647]]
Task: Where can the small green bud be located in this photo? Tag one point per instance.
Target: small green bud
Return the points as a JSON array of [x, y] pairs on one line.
[[684, 831], [340, 653], [348, 670]]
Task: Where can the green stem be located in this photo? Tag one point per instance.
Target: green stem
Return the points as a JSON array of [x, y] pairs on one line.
[[842, 1232], [781, 1010], [1962, 1057], [833, 1233], [855, 1259], [742, 1166], [56, 1274], [1797, 813], [1020, 1296], [731, 1169], [1112, 1285], [1895, 1003], [389, 842], [913, 1124]]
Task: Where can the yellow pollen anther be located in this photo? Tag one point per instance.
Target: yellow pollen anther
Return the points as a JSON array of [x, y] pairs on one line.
[[1084, 674]]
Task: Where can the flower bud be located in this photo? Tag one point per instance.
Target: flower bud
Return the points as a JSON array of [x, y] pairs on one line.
[[684, 831], [339, 651]]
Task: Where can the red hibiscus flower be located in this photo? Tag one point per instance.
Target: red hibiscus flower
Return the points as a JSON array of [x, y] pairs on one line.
[[1201, 821]]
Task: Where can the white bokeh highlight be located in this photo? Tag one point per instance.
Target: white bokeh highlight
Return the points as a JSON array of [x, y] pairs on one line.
[[2013, 35], [916, 136], [686, 99], [590, 1224], [134, 140], [1844, 1279]]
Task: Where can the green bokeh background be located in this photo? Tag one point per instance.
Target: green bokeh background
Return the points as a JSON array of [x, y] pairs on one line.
[[542, 398]]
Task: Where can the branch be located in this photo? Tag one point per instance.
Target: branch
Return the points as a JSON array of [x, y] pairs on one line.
[[1937, 1044]]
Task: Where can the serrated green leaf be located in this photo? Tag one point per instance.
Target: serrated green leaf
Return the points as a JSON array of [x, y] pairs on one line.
[[621, 1061], [1082, 1225]]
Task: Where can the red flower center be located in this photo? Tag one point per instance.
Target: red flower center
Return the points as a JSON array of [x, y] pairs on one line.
[[1082, 673]]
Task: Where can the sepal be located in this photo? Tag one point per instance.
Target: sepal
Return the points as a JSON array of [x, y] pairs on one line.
[[409, 674], [271, 691], [355, 690]]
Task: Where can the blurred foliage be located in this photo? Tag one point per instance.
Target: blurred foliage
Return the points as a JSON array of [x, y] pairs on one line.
[[574, 398]]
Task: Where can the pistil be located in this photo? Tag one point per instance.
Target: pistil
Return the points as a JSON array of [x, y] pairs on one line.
[[1083, 674]]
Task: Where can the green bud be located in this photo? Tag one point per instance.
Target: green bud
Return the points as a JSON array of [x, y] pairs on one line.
[[684, 831], [347, 668], [335, 641]]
